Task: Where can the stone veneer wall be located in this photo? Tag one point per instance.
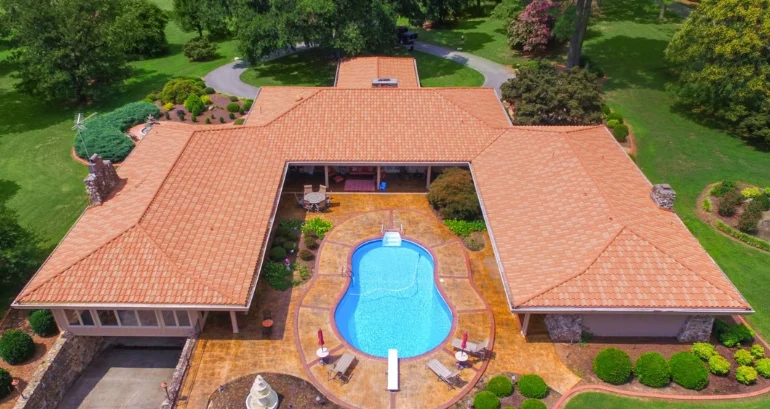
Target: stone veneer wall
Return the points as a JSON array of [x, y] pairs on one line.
[[564, 328], [175, 387], [697, 328], [68, 357]]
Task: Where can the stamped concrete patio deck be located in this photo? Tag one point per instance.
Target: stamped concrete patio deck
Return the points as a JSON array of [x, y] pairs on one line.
[[471, 284]]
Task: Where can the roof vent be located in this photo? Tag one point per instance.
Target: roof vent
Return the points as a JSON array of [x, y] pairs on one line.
[[384, 83], [663, 195]]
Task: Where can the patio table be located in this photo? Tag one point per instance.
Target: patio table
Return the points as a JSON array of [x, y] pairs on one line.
[[315, 197], [462, 358]]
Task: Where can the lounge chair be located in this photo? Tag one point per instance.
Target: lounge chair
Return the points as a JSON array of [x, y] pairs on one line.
[[481, 349], [340, 368], [307, 189], [470, 347], [442, 372], [322, 189]]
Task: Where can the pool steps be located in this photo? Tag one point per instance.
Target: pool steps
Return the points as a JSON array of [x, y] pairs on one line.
[[391, 239]]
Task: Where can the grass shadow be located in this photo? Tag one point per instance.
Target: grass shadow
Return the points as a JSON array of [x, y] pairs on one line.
[[8, 189], [304, 68], [635, 11], [630, 62]]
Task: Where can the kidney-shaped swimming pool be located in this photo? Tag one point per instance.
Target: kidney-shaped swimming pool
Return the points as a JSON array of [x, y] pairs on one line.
[[393, 302]]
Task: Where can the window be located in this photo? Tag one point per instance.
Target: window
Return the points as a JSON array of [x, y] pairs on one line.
[[107, 318], [148, 318], [175, 318], [127, 318], [168, 318], [72, 317], [86, 318], [183, 318]]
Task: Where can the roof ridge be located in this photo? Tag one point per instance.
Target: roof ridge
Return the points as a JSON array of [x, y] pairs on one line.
[[436, 91], [581, 271], [177, 268], [503, 131], [304, 100]]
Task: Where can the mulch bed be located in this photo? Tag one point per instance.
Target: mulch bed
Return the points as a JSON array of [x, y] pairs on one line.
[[25, 371], [292, 392], [579, 359], [217, 109], [514, 400]]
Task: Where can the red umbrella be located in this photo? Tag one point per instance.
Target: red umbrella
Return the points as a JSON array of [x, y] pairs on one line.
[[320, 337], [465, 341]]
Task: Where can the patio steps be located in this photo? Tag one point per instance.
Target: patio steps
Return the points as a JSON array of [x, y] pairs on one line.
[[391, 239]]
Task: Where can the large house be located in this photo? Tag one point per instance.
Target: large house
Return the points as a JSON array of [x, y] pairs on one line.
[[579, 234]]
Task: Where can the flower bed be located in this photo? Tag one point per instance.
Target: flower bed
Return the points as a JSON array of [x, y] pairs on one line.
[[514, 399], [292, 391], [738, 210]]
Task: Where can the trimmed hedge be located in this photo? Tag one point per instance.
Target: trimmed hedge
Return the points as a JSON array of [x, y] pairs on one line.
[[757, 351], [736, 335], [532, 386], [104, 134], [719, 189], [43, 323], [718, 365], [486, 400], [743, 357], [453, 195], [311, 242], [306, 255], [615, 116], [703, 350], [729, 202], [533, 404], [5, 383], [743, 237], [620, 132], [746, 375], [16, 346], [200, 49], [763, 367], [289, 245], [688, 371], [277, 253], [613, 366], [239, 121], [500, 386], [178, 89], [233, 107], [652, 370]]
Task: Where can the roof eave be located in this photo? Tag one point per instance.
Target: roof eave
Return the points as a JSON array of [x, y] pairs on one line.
[[625, 310]]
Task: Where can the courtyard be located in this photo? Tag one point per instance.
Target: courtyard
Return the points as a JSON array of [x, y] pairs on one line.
[[469, 281]]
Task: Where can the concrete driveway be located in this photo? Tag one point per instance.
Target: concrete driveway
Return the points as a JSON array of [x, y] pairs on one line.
[[121, 378]]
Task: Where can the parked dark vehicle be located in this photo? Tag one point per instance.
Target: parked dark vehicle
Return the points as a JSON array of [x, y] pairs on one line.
[[405, 36]]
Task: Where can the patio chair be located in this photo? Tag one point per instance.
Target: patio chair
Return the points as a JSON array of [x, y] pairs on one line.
[[470, 347], [300, 200], [481, 349], [442, 372], [322, 189], [307, 189], [340, 368], [307, 205], [321, 206]]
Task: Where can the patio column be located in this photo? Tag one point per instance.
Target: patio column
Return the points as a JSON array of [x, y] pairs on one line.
[[326, 176], [234, 321], [427, 179], [525, 324], [377, 187]]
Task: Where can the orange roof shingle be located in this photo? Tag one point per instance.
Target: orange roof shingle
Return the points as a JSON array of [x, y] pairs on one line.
[[359, 72]]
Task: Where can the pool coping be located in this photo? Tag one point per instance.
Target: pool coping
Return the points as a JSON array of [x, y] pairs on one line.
[[462, 392]]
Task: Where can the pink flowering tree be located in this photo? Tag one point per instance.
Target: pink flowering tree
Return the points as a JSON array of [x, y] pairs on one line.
[[531, 31]]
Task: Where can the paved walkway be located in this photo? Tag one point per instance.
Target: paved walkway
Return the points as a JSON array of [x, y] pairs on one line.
[[494, 74]]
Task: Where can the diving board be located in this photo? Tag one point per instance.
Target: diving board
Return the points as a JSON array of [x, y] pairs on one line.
[[392, 370]]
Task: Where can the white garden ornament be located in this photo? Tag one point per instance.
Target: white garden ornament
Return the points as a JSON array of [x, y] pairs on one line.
[[261, 396]]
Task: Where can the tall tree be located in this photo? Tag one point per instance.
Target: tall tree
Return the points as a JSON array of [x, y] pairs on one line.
[[143, 28], [663, 5], [200, 15], [19, 251], [582, 15], [69, 49], [721, 60]]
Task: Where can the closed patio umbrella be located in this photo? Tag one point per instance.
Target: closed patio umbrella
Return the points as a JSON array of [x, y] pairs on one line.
[[465, 341], [320, 338]]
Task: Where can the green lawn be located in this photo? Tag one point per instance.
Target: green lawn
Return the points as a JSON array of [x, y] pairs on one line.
[[628, 43], [310, 68], [38, 178], [593, 400]]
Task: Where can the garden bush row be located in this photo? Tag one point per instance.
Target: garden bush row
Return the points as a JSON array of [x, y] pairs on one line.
[[531, 386], [16, 346], [614, 366], [614, 121], [104, 134], [739, 235]]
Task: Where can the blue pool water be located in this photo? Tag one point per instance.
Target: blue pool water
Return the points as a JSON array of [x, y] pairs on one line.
[[393, 302]]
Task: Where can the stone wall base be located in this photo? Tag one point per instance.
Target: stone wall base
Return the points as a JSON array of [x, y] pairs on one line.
[[697, 328], [175, 387], [564, 328]]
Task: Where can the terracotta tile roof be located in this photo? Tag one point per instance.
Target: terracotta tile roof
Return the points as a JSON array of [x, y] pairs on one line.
[[570, 213], [359, 72]]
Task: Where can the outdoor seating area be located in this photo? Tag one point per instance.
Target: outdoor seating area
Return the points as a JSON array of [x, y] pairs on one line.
[[314, 201]]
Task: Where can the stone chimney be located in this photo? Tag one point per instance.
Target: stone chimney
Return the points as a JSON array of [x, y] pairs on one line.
[[663, 196], [101, 179]]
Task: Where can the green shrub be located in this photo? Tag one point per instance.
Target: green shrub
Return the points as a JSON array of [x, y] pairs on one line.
[[277, 253], [761, 203], [718, 365], [239, 121], [532, 386], [152, 97], [746, 375], [749, 221], [221, 120], [208, 121], [746, 238], [688, 371], [723, 187], [16, 346], [311, 242], [453, 195], [763, 367], [304, 272], [167, 115], [43, 323], [509, 407], [104, 134], [486, 400], [757, 351], [620, 132], [277, 275], [169, 106], [231, 115], [500, 385], [613, 366], [180, 113], [306, 255], [743, 357], [208, 90], [736, 335], [206, 100], [233, 107], [292, 234], [720, 326], [766, 191], [317, 225], [703, 350], [200, 49], [612, 123], [247, 105], [652, 370], [5, 383], [289, 245], [532, 404], [233, 98], [606, 110], [615, 116], [464, 228], [707, 205], [178, 89], [282, 231], [194, 105], [729, 202], [751, 192]]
